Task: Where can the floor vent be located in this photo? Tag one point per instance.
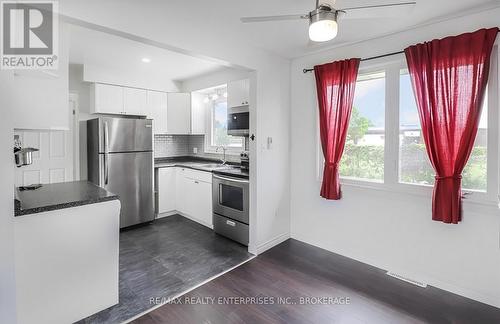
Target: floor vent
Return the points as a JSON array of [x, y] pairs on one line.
[[400, 277]]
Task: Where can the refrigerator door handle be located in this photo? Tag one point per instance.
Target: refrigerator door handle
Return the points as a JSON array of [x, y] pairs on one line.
[[106, 153]]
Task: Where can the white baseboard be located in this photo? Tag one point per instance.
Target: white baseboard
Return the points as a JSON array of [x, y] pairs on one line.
[[167, 214], [431, 281], [261, 248]]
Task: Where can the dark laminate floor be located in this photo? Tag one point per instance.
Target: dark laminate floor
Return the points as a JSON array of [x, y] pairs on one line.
[[295, 269], [166, 258]]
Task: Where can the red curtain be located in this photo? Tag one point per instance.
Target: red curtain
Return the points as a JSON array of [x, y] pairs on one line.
[[449, 78], [335, 83]]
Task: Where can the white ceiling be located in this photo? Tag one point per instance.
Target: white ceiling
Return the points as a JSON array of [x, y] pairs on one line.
[[104, 50], [290, 38], [221, 18]]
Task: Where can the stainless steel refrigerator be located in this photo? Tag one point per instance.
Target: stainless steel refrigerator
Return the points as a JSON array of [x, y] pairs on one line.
[[120, 159]]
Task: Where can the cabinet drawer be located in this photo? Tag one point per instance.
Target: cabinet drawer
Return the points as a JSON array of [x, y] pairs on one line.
[[231, 229], [197, 175]]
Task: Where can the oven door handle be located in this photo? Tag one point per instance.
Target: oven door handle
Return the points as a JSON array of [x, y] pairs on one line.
[[230, 179]]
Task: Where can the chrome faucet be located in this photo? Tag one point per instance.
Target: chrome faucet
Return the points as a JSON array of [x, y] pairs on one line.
[[224, 152]]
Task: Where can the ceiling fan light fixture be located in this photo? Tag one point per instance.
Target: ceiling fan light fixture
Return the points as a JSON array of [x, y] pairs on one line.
[[322, 25]]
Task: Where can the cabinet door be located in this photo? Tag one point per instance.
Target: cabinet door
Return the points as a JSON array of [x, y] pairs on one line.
[[238, 93], [107, 99], [181, 189], [198, 114], [201, 204], [134, 101], [157, 110], [166, 190], [179, 113]]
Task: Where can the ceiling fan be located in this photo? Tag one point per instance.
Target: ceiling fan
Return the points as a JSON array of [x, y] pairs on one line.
[[323, 20]]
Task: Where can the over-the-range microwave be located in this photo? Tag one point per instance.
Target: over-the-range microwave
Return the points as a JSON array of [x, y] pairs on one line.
[[238, 121]]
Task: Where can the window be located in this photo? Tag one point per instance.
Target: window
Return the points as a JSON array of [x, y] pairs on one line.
[[218, 127], [214, 103], [414, 165], [363, 156], [384, 146]]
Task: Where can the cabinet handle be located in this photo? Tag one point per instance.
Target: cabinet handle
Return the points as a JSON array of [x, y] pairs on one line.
[[230, 223]]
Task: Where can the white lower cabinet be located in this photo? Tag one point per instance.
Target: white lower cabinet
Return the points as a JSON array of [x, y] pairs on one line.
[[167, 192], [191, 190]]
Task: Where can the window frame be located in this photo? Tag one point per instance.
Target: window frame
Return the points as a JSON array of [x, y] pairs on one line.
[[392, 66], [209, 123]]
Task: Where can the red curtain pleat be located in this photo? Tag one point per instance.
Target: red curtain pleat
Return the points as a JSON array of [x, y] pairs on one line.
[[335, 84], [449, 78]]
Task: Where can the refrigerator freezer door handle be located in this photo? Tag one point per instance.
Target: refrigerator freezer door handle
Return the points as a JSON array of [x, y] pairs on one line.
[[106, 153]]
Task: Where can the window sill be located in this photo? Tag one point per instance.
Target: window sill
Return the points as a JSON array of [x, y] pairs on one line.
[[470, 196]]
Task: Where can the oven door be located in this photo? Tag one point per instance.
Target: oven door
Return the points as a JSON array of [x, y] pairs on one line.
[[231, 197]]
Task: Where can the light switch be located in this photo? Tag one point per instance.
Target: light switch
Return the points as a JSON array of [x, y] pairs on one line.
[[269, 143], [195, 150]]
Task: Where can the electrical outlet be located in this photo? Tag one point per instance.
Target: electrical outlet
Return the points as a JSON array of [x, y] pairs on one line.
[[269, 143], [195, 150]]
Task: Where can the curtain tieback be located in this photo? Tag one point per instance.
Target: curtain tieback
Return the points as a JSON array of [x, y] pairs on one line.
[[332, 164], [456, 177]]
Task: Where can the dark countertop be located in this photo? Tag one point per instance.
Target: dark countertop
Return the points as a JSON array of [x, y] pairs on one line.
[[203, 164], [59, 196]]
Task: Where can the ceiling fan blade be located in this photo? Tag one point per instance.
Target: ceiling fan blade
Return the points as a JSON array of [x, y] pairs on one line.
[[272, 18], [379, 11]]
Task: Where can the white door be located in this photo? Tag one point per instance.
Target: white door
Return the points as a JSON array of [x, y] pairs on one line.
[[157, 110], [135, 101], [198, 114], [166, 190], [107, 99], [179, 113]]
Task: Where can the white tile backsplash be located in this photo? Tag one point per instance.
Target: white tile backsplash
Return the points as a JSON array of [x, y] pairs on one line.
[[183, 145]]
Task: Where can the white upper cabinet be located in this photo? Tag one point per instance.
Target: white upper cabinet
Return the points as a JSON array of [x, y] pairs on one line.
[[238, 93], [157, 110], [198, 114], [106, 99], [135, 101], [113, 99], [179, 113]]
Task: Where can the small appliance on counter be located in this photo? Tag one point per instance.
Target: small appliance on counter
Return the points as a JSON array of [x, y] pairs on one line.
[[23, 156]]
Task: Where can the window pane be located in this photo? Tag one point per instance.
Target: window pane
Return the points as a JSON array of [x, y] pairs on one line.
[[219, 127], [414, 165], [364, 150]]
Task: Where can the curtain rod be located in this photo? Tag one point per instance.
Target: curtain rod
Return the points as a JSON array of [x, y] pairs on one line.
[[365, 59]]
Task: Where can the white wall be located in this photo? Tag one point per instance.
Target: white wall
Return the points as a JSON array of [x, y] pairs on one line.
[[391, 230], [7, 275], [128, 78], [39, 100], [82, 90], [27, 100], [176, 29], [213, 79]]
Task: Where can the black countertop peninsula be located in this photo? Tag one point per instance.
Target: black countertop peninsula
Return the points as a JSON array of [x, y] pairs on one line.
[[203, 164], [59, 196]]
